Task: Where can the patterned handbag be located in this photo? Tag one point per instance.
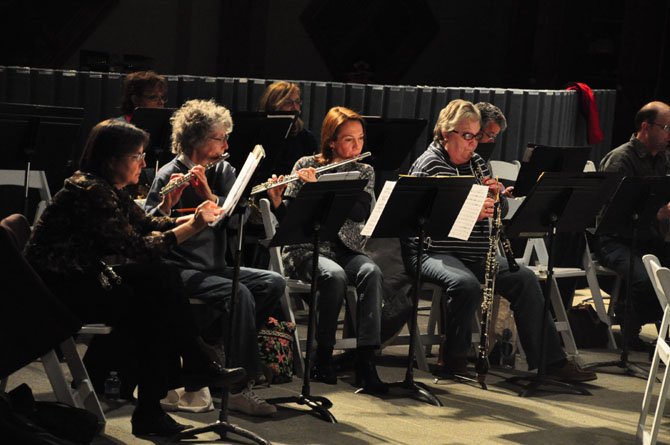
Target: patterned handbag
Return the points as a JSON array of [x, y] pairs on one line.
[[275, 344]]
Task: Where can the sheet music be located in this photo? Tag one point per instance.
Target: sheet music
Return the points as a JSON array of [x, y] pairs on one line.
[[254, 158], [379, 208], [467, 217]]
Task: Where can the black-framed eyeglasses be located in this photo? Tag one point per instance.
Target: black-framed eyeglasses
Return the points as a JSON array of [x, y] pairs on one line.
[[222, 139], [156, 97], [468, 136], [138, 157], [665, 128]]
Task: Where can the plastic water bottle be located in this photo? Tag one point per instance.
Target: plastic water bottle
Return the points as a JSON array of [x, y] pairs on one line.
[[112, 386]]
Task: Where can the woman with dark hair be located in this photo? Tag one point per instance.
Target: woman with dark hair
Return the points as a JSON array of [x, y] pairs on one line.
[[343, 261], [142, 89], [91, 220]]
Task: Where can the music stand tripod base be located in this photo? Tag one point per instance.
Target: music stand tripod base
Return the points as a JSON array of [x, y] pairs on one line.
[[221, 428], [319, 405]]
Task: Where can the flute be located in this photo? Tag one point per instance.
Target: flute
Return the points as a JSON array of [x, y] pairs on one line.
[[294, 177], [172, 185]]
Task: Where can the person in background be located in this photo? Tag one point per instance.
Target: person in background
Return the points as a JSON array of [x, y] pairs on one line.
[[145, 89], [645, 154], [92, 219], [200, 131]]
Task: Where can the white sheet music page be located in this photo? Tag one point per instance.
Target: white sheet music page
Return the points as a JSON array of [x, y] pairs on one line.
[[247, 171], [469, 213], [379, 208]]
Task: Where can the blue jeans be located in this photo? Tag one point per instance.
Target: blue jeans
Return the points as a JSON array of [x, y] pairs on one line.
[[463, 295], [334, 275], [257, 298]]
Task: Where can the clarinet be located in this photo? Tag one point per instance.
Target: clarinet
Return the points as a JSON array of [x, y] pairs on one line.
[[504, 241]]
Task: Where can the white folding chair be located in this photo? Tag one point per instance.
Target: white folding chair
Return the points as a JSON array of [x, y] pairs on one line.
[[302, 287], [660, 277]]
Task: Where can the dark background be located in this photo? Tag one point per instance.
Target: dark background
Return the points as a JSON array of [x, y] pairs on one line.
[[618, 44]]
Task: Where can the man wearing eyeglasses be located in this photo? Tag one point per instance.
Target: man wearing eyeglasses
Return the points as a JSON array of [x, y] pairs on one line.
[[459, 265], [645, 154]]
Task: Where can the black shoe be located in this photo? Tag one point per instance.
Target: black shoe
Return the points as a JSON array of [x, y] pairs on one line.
[[366, 373], [323, 370], [158, 423]]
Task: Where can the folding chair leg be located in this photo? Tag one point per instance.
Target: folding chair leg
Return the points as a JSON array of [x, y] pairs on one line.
[[84, 394], [298, 364], [57, 378]]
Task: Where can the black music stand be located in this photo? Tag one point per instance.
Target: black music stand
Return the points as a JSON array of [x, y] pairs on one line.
[[543, 158], [390, 140], [485, 150], [156, 122], [633, 207], [314, 216], [222, 427], [420, 207], [252, 128], [565, 203], [39, 137]]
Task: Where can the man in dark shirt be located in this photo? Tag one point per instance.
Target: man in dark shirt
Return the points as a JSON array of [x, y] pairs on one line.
[[645, 154]]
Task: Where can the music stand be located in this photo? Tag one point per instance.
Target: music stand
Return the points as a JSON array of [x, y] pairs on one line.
[[633, 206], [421, 207], [39, 137], [485, 150], [156, 122], [222, 427], [543, 158], [314, 216], [255, 127], [390, 140], [559, 202]]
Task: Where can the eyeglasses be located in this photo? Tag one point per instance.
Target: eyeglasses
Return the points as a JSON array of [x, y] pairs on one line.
[[222, 139], [491, 136], [156, 97], [469, 136], [138, 157], [665, 128]]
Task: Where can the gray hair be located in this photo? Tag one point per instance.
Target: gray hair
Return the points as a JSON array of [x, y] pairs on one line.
[[455, 111], [491, 113], [193, 123]]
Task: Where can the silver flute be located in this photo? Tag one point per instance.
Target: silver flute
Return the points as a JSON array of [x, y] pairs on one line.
[[294, 177], [172, 185]]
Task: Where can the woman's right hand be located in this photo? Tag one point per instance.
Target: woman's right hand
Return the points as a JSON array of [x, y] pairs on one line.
[[205, 213], [172, 198]]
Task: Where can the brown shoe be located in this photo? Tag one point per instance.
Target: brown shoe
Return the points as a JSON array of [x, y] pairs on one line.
[[570, 372]]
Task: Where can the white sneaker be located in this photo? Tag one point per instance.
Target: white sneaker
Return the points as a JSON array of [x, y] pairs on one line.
[[248, 402]]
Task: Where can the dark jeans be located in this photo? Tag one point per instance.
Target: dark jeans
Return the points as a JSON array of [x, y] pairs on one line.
[[615, 254], [334, 275], [463, 295], [149, 308], [257, 299]]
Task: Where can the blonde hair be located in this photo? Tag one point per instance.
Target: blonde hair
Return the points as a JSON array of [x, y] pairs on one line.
[[335, 118], [455, 111], [193, 123], [273, 97]]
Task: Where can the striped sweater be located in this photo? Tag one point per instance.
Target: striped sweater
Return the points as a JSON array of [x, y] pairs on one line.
[[435, 162]]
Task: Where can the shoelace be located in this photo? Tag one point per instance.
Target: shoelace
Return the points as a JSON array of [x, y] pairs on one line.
[[250, 394]]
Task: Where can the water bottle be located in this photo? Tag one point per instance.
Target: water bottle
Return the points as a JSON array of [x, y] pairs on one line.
[[112, 386]]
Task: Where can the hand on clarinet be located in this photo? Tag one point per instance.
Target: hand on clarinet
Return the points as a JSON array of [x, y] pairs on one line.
[[487, 209], [276, 193], [494, 185]]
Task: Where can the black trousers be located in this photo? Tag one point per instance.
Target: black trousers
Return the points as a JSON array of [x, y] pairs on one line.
[[149, 309]]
